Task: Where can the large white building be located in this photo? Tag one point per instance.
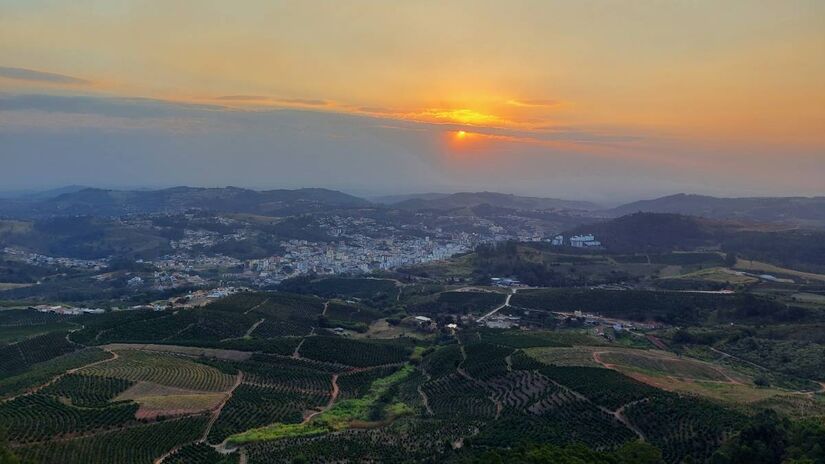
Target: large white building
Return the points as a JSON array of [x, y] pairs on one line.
[[584, 241]]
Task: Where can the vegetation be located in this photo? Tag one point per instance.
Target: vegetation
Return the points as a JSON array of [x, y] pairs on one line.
[[354, 352], [604, 387], [39, 417], [200, 453], [254, 406], [135, 445], [87, 391], [536, 394], [768, 438], [669, 307], [629, 453], [164, 369], [682, 427], [372, 406], [374, 290], [17, 357], [460, 303], [40, 373], [800, 359]]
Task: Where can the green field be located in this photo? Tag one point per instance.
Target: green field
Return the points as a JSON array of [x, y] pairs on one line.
[[340, 416], [163, 369]]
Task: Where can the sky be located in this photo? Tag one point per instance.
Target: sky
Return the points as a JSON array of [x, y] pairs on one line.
[[599, 100]]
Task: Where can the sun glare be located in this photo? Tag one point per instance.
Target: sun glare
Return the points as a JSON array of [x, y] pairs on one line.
[[461, 134]]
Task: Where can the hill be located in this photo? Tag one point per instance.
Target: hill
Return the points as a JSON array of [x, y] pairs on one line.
[[656, 232], [499, 200], [801, 210], [798, 248], [100, 202]]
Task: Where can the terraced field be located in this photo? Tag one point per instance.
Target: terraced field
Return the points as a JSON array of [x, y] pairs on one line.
[[39, 417], [137, 445], [164, 369], [40, 373], [87, 390]]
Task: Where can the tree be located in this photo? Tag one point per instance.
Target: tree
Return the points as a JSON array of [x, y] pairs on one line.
[[638, 452]]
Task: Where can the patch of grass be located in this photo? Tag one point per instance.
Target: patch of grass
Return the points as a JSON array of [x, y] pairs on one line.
[[338, 417], [520, 339], [665, 365]]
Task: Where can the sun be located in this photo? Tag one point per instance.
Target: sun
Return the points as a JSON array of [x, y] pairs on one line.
[[461, 134]]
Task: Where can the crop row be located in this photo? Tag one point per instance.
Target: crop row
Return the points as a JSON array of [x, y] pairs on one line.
[[254, 406], [135, 445], [456, 396], [604, 387], [87, 390], [200, 453], [353, 352], [684, 428], [164, 369], [40, 373], [40, 417], [286, 374], [485, 360], [442, 361], [17, 357], [356, 384]]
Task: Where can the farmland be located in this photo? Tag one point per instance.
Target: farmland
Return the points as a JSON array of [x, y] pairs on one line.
[[164, 369], [259, 377]]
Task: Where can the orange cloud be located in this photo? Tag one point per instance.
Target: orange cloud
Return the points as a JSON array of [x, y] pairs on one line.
[[461, 116], [534, 103]]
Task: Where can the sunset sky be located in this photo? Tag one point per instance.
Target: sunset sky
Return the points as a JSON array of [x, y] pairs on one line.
[[601, 100]]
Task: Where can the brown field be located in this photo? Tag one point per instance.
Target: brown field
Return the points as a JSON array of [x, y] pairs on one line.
[[663, 370], [809, 298], [682, 368], [567, 356], [159, 400], [12, 286], [718, 274], [796, 406], [381, 329], [757, 266]]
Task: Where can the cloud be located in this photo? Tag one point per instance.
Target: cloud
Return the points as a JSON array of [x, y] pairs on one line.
[[242, 97], [304, 101], [105, 106], [538, 103], [39, 76], [276, 100]]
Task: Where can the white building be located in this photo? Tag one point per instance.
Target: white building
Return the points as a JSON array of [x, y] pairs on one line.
[[584, 241]]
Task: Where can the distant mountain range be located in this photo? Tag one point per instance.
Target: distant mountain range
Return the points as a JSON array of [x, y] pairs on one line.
[[75, 200], [799, 210], [497, 200], [100, 202]]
